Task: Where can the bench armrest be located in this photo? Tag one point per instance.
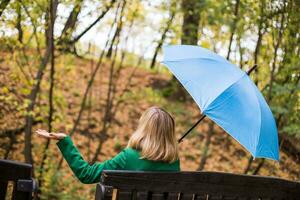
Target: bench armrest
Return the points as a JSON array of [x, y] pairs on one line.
[[103, 192], [27, 185]]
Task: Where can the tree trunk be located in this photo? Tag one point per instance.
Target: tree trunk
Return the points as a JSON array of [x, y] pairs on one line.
[[35, 90], [51, 106], [3, 5], [71, 21], [258, 45], [250, 160], [163, 37], [107, 114], [34, 29], [19, 20], [286, 144], [260, 33], [89, 116], [90, 83], [206, 147], [12, 140], [118, 71], [127, 85], [87, 89], [272, 75], [255, 55], [276, 47], [107, 8], [191, 18], [241, 52], [30, 109], [233, 28], [117, 32]]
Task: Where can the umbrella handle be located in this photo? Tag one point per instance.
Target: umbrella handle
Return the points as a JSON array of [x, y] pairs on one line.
[[203, 116]]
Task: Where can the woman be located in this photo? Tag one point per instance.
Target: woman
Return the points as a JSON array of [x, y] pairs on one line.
[[152, 147]]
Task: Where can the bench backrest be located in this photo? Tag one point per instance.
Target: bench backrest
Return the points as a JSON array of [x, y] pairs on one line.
[[193, 185], [21, 176]]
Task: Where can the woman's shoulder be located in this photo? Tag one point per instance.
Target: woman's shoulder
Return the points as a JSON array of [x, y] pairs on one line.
[[134, 154], [130, 151], [130, 154]]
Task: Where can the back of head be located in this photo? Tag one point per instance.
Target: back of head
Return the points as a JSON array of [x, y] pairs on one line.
[[155, 136]]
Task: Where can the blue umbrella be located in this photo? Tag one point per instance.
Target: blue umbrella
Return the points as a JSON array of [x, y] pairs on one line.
[[227, 96]]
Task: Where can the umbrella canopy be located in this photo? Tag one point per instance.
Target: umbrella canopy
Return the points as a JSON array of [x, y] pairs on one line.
[[227, 96]]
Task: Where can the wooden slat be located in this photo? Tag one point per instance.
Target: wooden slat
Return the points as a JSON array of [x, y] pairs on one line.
[[134, 195], [173, 196], [201, 197], [159, 196], [208, 177], [124, 194], [127, 194], [230, 198], [114, 194], [216, 197], [3, 188], [217, 189], [142, 195], [203, 182], [186, 196], [253, 198]]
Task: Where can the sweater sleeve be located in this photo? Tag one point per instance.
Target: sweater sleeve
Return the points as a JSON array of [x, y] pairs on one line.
[[85, 172]]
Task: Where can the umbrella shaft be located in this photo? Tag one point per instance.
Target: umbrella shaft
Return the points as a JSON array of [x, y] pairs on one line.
[[180, 140], [252, 68]]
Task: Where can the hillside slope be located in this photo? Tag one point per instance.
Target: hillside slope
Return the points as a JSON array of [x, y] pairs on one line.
[[132, 96]]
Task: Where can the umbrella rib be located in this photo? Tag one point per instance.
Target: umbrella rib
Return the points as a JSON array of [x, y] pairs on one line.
[[203, 116]]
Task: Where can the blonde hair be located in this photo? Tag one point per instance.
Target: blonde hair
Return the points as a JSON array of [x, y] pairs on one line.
[[155, 136]]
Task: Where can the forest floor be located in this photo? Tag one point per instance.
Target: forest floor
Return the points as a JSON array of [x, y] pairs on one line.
[[147, 88]]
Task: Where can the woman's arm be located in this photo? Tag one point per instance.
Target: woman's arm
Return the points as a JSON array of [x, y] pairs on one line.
[[85, 172]]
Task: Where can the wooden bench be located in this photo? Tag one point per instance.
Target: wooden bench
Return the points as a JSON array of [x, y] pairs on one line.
[[193, 185], [21, 176]]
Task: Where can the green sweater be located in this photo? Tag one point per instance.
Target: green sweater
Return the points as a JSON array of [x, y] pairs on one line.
[[128, 159]]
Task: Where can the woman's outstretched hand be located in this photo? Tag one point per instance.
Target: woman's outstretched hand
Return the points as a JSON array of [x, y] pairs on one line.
[[45, 134]]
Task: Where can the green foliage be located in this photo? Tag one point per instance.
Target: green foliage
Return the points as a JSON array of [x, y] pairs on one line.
[[151, 95], [57, 186], [168, 91], [117, 145], [190, 157]]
